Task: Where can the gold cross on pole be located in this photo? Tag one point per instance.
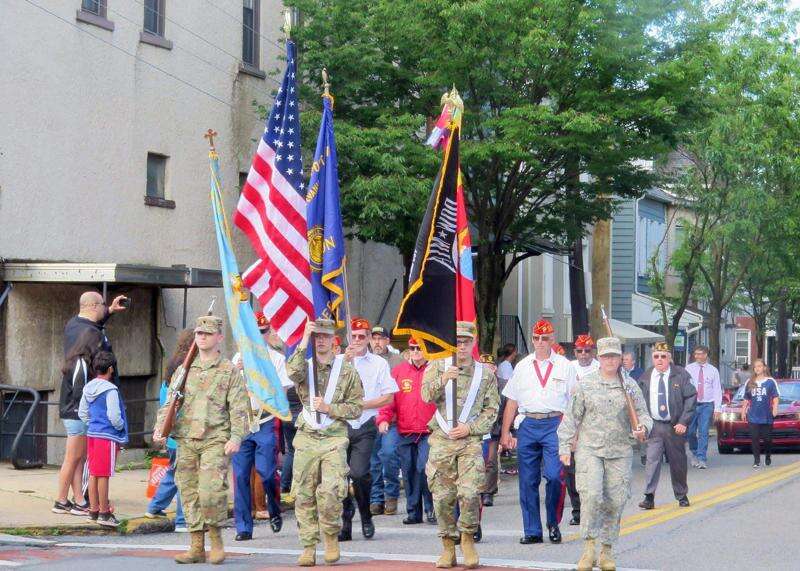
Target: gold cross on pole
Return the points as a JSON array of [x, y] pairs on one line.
[[210, 134]]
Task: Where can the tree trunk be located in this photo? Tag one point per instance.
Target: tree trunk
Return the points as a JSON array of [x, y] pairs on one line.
[[782, 341], [714, 323], [577, 290], [601, 276], [490, 270]]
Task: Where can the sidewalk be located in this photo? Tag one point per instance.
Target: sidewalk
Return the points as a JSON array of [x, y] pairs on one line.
[[26, 497]]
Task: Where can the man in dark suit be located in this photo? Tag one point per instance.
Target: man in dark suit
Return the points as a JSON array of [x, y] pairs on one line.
[[670, 397]]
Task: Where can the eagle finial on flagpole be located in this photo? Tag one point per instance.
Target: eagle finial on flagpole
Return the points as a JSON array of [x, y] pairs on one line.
[[326, 86], [287, 23]]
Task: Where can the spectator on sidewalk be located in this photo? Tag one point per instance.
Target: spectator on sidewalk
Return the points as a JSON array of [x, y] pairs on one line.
[[760, 409], [76, 374], [741, 376], [705, 378], [103, 411], [630, 367], [491, 444], [167, 488]]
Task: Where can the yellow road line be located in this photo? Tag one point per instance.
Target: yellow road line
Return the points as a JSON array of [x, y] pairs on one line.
[[707, 499]]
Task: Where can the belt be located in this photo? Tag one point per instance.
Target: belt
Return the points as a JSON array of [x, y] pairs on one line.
[[543, 415]]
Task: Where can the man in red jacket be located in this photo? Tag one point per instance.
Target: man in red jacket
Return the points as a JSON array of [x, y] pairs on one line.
[[413, 415]]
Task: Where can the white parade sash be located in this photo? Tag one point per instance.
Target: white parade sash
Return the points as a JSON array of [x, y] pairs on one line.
[[447, 424], [333, 380]]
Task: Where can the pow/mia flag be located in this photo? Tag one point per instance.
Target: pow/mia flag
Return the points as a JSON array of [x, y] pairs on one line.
[[428, 311]]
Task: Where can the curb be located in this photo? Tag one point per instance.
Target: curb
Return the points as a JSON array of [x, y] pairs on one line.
[[130, 526]]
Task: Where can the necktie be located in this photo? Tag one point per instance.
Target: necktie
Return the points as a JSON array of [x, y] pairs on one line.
[[662, 397], [701, 382]]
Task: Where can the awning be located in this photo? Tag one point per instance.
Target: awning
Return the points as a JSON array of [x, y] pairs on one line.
[[645, 310], [132, 274], [632, 335]]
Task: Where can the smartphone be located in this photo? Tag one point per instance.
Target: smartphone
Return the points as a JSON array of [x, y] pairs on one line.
[[125, 302]]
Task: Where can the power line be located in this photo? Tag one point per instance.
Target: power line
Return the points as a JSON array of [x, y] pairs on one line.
[[133, 55], [241, 23]]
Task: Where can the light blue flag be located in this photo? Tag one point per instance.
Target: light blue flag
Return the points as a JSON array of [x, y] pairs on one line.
[[263, 382]]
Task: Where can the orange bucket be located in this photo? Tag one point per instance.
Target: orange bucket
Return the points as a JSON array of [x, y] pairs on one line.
[[158, 468]]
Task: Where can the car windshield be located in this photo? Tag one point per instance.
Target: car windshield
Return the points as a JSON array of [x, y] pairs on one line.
[[789, 392]]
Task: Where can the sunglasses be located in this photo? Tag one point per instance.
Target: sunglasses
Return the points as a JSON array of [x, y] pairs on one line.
[[414, 349], [583, 350], [542, 338], [358, 336]]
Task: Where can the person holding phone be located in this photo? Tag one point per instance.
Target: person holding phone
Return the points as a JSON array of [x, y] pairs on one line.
[[761, 398]]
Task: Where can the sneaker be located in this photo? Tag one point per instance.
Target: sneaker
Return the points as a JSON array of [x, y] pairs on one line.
[[154, 515], [62, 507], [695, 462], [702, 465], [93, 516], [757, 465], [107, 520], [181, 529], [79, 509]]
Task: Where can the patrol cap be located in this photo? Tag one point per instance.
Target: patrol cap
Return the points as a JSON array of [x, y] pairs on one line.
[[208, 324], [380, 330], [325, 326], [465, 329], [609, 346]]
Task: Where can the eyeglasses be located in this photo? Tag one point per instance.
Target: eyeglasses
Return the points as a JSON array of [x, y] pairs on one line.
[[583, 350], [358, 336], [660, 356], [541, 338], [466, 341]]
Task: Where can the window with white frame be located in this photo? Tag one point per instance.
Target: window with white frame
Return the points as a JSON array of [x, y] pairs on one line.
[[649, 238], [548, 277], [565, 286], [742, 346]]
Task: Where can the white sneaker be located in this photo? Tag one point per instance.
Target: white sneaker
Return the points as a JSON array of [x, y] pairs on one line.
[[695, 462], [181, 529]]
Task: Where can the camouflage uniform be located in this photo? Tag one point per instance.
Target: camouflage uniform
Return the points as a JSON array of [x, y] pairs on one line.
[[319, 472], [215, 410], [455, 468], [604, 450]]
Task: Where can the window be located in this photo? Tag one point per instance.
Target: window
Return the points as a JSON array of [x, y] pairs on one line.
[[565, 286], [548, 276], [156, 181], [154, 17], [250, 32], [96, 7], [649, 238], [742, 346]]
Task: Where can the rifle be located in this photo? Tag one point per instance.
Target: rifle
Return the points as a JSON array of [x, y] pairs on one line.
[[631, 409], [176, 399]]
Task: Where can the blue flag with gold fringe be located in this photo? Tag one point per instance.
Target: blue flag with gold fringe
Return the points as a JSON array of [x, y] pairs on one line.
[[325, 236], [263, 382]]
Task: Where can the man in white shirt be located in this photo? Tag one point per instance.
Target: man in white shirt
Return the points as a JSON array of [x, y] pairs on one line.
[[258, 448], [538, 394], [705, 378], [376, 379], [584, 364]]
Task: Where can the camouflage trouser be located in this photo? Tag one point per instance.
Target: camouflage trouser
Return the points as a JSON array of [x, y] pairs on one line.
[[319, 483], [604, 485], [201, 473], [456, 472]]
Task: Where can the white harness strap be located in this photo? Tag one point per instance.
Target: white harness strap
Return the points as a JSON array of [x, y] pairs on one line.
[[325, 420], [447, 424]]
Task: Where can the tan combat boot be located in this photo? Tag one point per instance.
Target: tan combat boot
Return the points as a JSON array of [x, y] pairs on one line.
[[448, 557], [588, 558], [331, 548], [606, 560], [471, 560], [390, 506], [308, 558], [197, 549], [217, 554]]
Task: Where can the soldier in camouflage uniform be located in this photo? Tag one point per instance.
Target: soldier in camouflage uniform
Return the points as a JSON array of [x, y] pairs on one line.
[[319, 473], [604, 450], [209, 428], [455, 467]]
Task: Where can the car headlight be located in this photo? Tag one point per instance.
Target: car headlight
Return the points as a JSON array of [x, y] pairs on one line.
[[729, 416]]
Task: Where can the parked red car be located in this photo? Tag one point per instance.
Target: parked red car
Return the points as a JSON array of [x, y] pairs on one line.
[[734, 432]]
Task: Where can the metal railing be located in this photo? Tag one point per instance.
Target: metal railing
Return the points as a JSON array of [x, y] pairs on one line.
[[36, 400], [511, 332]]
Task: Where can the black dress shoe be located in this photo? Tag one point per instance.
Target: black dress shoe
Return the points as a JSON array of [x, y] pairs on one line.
[[412, 520], [648, 502], [487, 500], [576, 520], [430, 517], [554, 533], [367, 529], [683, 502], [478, 535], [276, 523], [528, 539], [244, 536], [346, 534]]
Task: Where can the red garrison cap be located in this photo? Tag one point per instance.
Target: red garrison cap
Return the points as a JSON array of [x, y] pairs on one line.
[[584, 342], [359, 323], [543, 327], [558, 349], [412, 342]]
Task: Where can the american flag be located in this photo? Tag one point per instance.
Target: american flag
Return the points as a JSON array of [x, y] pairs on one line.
[[272, 213]]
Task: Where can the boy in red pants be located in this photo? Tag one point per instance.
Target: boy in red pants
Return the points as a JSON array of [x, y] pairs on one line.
[[102, 409]]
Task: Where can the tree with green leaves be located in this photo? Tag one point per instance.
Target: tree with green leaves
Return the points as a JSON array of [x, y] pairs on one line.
[[560, 99]]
